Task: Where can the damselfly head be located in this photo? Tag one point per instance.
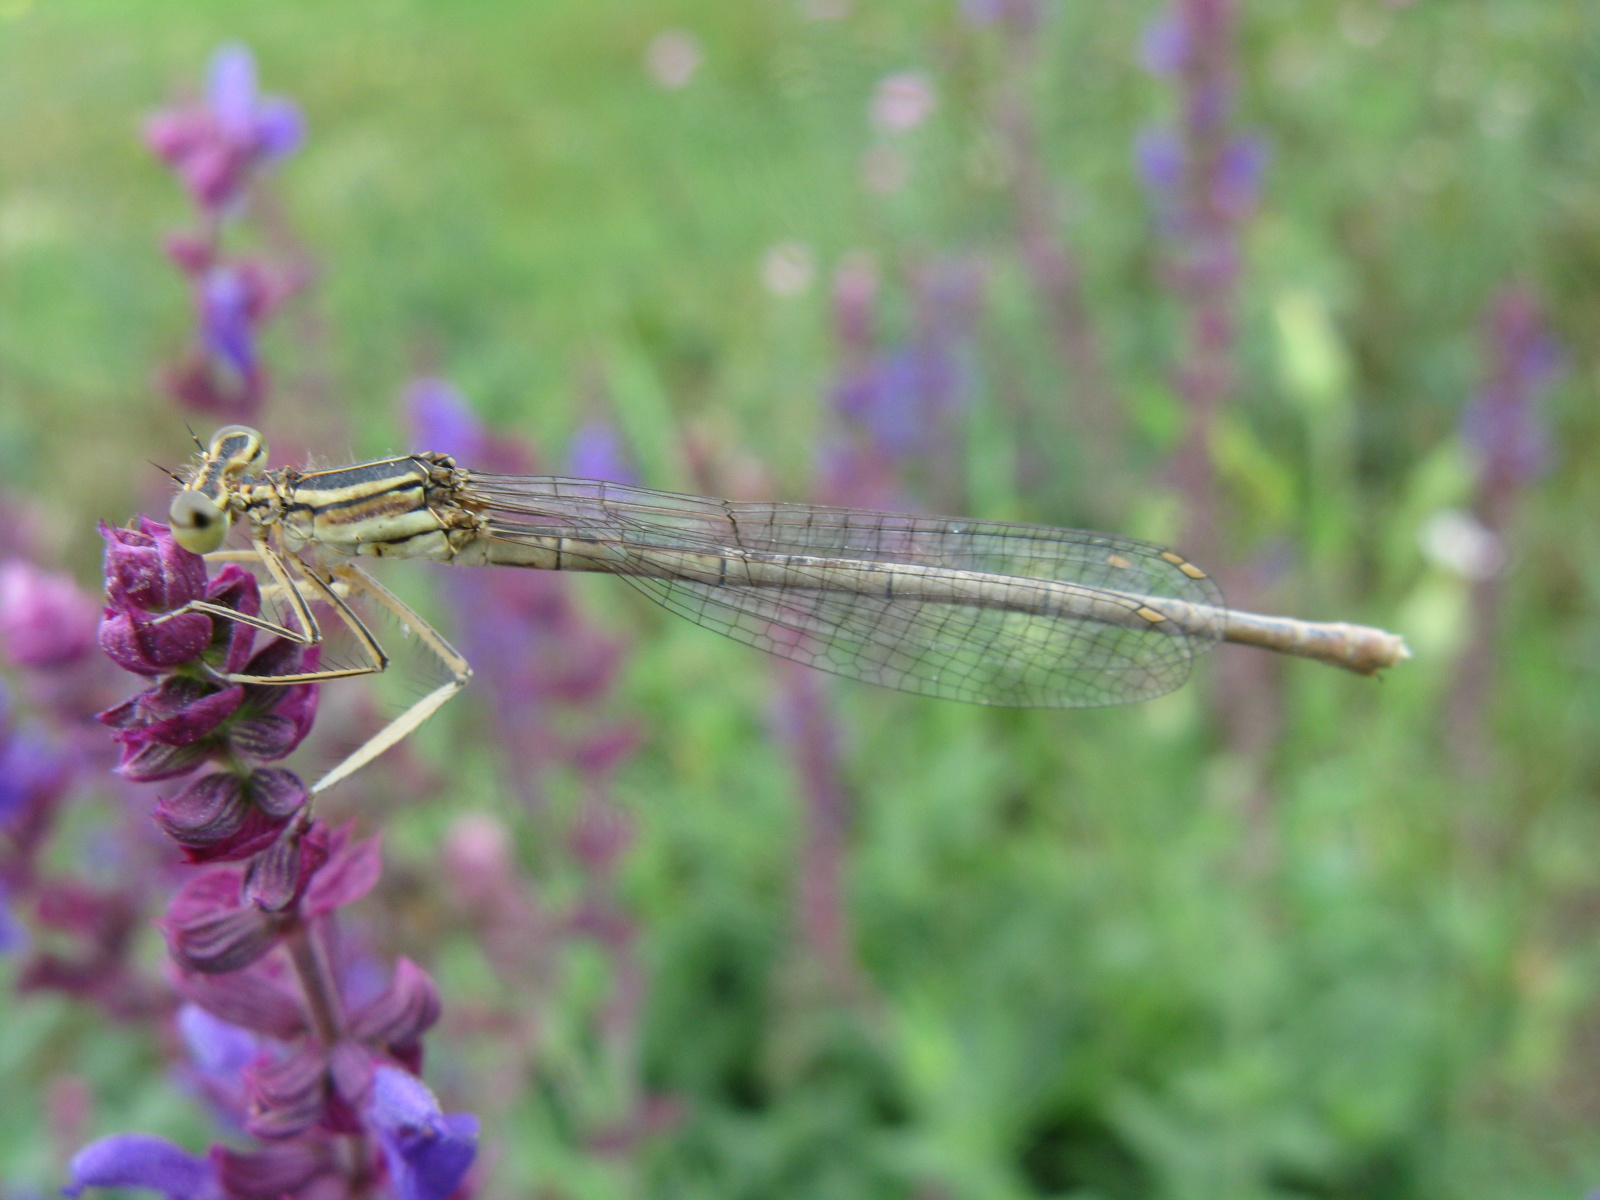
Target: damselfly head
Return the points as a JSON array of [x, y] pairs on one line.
[[238, 450], [200, 513]]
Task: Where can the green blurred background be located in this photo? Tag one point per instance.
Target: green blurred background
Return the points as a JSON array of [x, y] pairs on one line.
[[1111, 954]]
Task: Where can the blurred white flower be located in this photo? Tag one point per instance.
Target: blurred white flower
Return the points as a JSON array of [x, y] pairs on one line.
[[1459, 542], [788, 268], [902, 101], [672, 58]]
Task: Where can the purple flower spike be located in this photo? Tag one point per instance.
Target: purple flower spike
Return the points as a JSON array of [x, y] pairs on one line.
[[45, 620], [147, 569], [138, 1160], [428, 1153], [1505, 423]]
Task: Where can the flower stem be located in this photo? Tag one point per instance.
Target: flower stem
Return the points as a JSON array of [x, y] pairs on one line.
[[321, 990]]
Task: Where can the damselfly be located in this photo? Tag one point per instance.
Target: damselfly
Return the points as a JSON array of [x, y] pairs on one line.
[[980, 611]]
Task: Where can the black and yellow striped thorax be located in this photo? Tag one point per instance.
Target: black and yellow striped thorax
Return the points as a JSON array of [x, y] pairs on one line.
[[392, 508]]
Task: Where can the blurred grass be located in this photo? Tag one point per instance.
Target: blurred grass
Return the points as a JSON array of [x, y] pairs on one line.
[[1085, 979]]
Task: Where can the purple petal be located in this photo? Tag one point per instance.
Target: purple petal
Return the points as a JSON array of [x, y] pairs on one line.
[[441, 420], [215, 1047], [402, 1012], [280, 127], [428, 1152], [141, 1161], [227, 322], [231, 91]]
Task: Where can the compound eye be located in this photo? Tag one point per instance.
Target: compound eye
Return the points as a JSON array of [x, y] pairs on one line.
[[198, 524], [240, 449]]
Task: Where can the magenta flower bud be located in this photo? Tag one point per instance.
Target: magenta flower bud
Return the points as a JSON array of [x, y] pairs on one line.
[[397, 1017], [174, 134], [258, 998], [178, 711], [189, 253], [150, 646], [350, 1073], [151, 762], [45, 620], [287, 1096], [223, 816], [287, 1169], [147, 569], [211, 931], [234, 587], [275, 719]]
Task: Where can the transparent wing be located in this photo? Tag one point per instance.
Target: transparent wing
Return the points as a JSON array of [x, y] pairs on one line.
[[817, 611]]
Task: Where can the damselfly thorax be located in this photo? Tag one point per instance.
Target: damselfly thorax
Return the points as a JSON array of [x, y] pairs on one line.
[[980, 611]]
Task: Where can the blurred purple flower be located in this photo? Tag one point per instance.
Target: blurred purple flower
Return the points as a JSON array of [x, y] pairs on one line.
[[596, 452], [46, 621], [1504, 423], [1236, 183], [1162, 162], [906, 401], [138, 1160], [271, 126], [34, 771], [13, 936], [216, 144], [228, 316], [441, 420], [1164, 46], [519, 628], [427, 1151]]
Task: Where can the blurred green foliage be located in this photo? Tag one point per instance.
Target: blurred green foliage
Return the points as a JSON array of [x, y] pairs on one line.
[[1093, 965]]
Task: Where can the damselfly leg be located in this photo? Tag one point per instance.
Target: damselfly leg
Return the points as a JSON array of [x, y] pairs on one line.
[[289, 573]]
